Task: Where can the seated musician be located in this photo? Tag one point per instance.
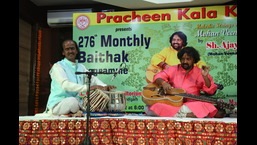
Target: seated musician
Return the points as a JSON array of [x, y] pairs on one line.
[[192, 80], [66, 86]]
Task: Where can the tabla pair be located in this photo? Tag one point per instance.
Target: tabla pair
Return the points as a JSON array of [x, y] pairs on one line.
[[105, 101]]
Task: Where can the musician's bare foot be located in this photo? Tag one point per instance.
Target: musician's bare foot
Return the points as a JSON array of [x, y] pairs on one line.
[[191, 115], [78, 114], [220, 114]]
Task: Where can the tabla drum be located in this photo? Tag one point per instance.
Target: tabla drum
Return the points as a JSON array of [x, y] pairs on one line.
[[117, 102], [98, 101]]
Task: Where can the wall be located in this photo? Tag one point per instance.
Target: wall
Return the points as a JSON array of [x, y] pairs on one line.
[[24, 65]]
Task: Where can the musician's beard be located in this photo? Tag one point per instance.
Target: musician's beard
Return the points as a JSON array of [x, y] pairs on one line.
[[177, 46], [186, 66]]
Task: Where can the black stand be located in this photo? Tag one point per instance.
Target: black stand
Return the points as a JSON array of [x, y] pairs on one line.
[[87, 140]]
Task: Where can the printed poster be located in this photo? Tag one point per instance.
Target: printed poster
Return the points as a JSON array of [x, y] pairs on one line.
[[124, 42]]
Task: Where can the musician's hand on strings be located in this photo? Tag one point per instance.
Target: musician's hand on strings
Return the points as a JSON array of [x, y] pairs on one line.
[[166, 87]]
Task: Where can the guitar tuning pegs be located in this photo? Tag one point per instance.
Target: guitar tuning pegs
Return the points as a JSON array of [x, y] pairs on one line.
[[219, 86]]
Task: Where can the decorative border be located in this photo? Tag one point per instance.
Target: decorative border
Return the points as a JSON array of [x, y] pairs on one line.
[[37, 71], [114, 131]]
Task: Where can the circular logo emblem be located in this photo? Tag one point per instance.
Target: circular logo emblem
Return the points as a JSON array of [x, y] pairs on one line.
[[82, 22]]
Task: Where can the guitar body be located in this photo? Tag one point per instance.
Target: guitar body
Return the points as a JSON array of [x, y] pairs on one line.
[[151, 95], [150, 72]]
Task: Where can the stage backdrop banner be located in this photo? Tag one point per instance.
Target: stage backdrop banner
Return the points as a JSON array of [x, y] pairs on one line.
[[128, 39]]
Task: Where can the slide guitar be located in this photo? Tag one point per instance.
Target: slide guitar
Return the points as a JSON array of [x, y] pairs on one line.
[[152, 94]]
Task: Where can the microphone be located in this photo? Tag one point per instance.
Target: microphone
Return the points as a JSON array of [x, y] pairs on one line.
[[115, 73], [78, 73], [92, 73], [88, 73]]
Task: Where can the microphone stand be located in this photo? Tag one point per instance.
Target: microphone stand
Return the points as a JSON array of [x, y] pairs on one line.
[[87, 140]]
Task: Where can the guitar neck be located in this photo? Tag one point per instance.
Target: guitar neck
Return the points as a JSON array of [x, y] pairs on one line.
[[219, 104], [200, 98]]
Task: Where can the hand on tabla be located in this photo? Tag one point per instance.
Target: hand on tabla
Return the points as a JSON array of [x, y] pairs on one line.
[[97, 87], [110, 87]]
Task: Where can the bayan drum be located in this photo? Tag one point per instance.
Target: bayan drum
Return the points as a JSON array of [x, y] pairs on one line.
[[98, 101], [117, 102]]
